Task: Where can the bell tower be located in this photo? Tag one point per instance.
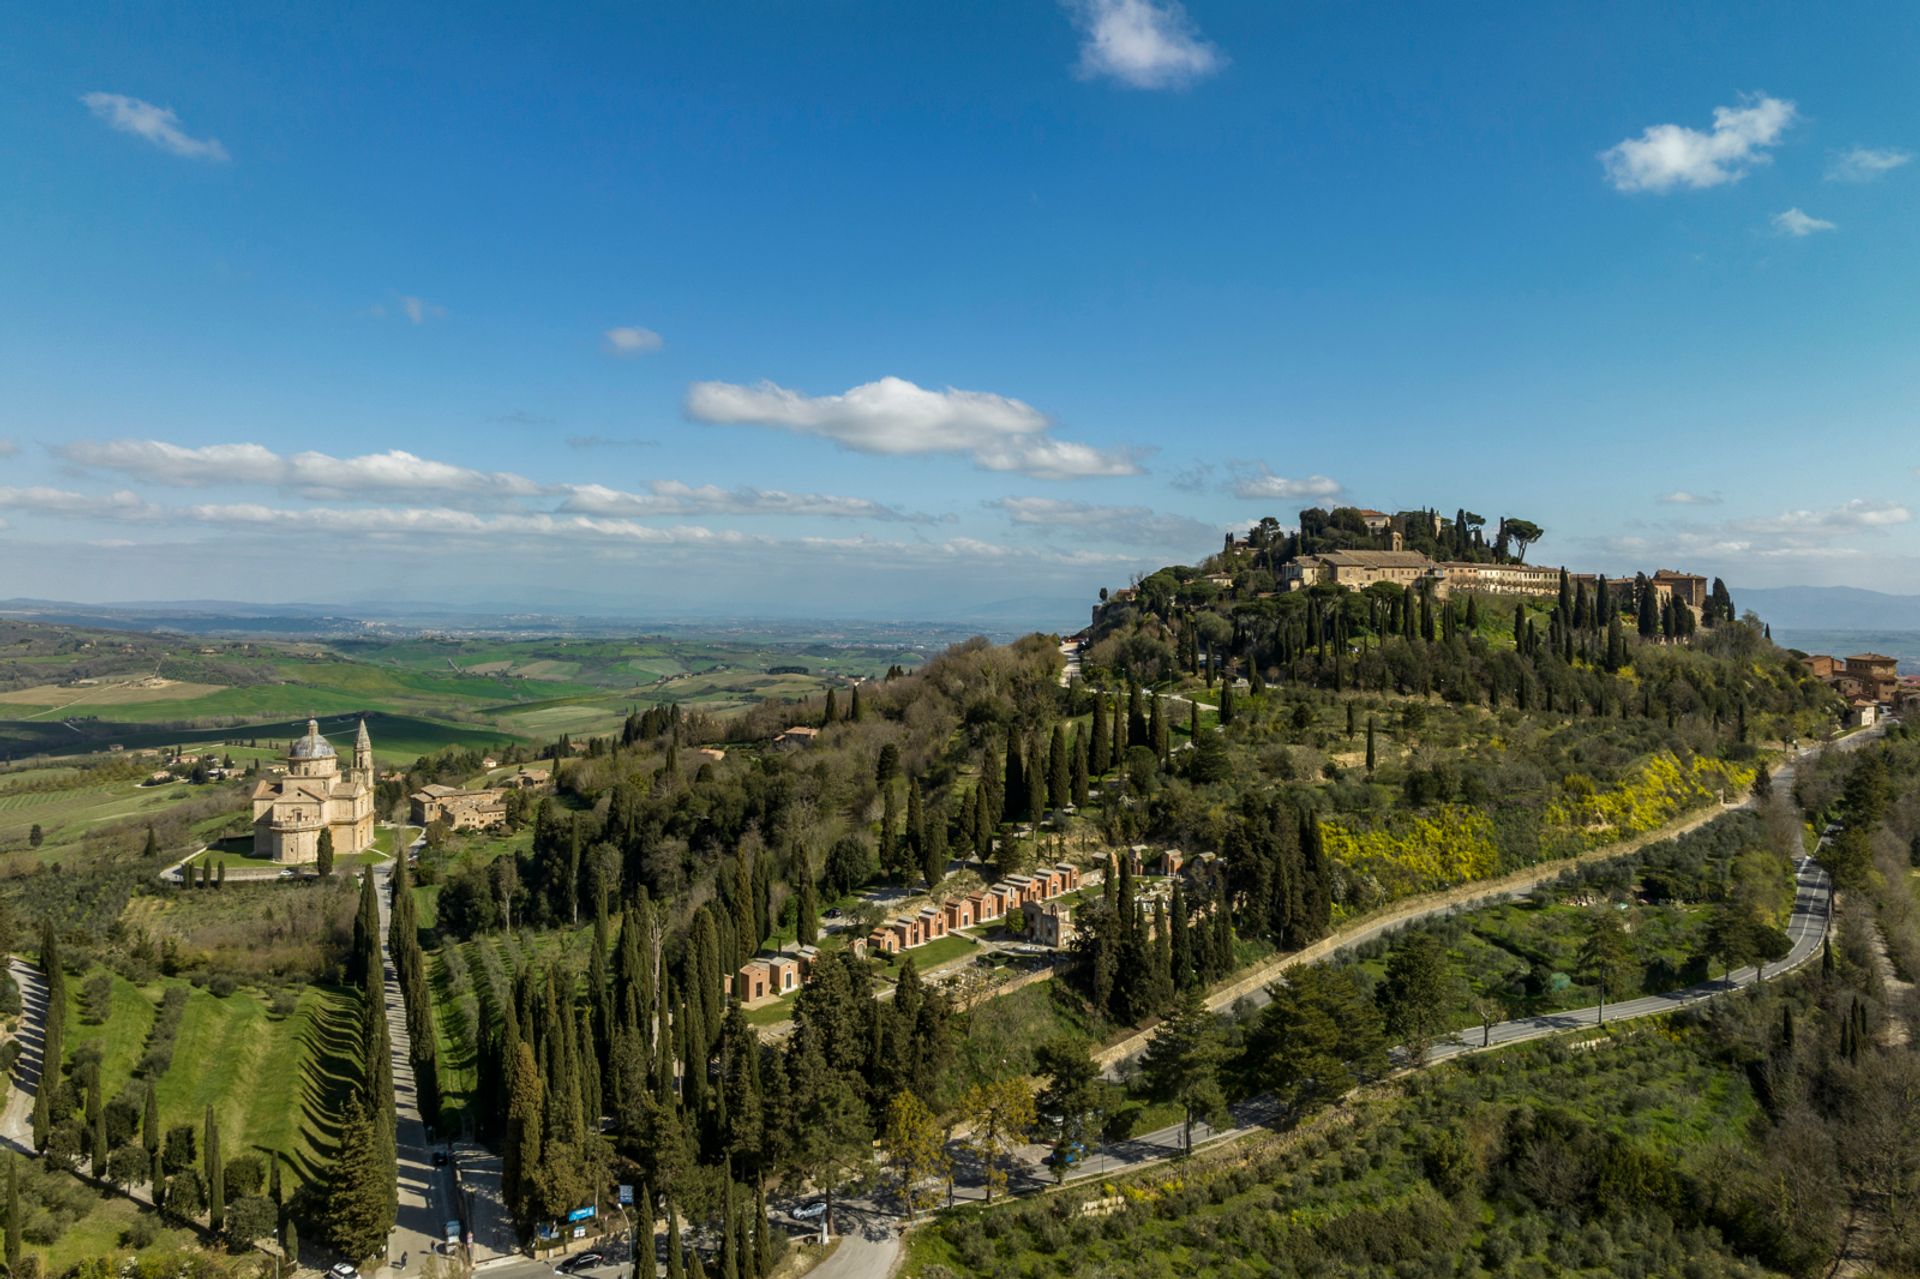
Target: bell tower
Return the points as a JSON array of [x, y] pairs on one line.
[[363, 756]]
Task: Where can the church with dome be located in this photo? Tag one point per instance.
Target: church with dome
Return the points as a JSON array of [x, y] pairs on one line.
[[289, 812]]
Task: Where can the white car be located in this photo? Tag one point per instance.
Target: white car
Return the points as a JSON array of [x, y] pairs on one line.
[[807, 1212], [341, 1270]]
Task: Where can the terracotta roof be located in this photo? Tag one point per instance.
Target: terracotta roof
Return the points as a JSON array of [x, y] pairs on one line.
[[1372, 559]]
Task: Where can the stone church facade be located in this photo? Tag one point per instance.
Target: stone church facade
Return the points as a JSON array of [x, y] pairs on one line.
[[290, 812]]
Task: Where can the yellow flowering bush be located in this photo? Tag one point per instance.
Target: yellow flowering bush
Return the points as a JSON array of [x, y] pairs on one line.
[[1586, 816], [1416, 853]]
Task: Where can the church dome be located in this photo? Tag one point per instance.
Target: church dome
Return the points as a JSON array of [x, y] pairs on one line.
[[312, 746]]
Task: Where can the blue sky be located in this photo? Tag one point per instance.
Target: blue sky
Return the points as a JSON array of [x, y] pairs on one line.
[[898, 308]]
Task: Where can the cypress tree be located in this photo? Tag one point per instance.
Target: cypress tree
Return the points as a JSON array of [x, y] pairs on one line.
[[324, 859], [761, 1231], [360, 1206], [676, 1263], [806, 904], [97, 1118], [150, 1127], [1059, 770], [216, 1173], [1370, 753], [1100, 749], [1036, 782], [13, 1213], [1181, 946], [1079, 782], [889, 828], [1013, 790]]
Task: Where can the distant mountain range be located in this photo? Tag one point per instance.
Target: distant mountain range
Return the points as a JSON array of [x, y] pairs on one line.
[[999, 620], [1830, 608]]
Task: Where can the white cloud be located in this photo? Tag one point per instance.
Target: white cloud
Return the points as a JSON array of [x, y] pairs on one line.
[[1680, 497], [158, 125], [1256, 482], [311, 474], [8, 448], [627, 341], [1670, 155], [896, 417], [1131, 525], [1144, 44], [671, 497], [1048, 459], [55, 501], [1864, 164], [1806, 534], [1797, 224], [1836, 521]]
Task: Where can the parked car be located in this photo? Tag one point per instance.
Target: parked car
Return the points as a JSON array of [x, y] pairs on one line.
[[341, 1270], [1067, 1154], [809, 1212], [585, 1261]]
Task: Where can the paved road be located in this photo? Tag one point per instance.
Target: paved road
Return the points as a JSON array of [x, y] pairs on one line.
[[1806, 928], [426, 1192], [16, 1121]]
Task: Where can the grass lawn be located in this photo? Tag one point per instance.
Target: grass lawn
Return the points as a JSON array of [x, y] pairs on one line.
[[237, 851], [121, 1038], [939, 951], [772, 1014], [98, 1235], [275, 1083]]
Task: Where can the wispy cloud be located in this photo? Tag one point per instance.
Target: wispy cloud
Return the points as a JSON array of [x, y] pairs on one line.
[[1666, 156], [1255, 481], [1128, 525], [894, 416], [158, 125], [1143, 44], [398, 476], [418, 310], [627, 341], [1799, 225], [521, 417], [8, 448], [671, 497], [439, 527], [1680, 497], [1197, 478], [1809, 535], [1865, 164]]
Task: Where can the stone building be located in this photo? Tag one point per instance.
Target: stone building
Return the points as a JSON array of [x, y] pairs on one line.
[[290, 811], [460, 809], [1357, 570]]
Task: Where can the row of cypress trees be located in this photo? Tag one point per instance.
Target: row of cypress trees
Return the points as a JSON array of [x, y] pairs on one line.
[[362, 1197]]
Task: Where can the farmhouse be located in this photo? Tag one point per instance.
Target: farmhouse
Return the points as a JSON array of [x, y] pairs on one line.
[[460, 809]]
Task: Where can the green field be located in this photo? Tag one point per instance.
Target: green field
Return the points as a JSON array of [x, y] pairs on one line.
[[428, 693], [68, 813]]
